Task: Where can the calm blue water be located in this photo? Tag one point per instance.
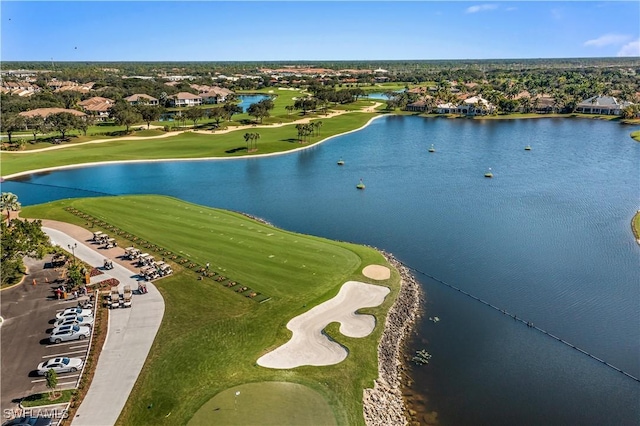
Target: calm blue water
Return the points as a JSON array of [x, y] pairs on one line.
[[548, 238], [247, 100]]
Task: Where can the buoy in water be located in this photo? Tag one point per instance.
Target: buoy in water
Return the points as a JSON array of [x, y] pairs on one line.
[[341, 162], [360, 185], [489, 174], [432, 149], [527, 148]]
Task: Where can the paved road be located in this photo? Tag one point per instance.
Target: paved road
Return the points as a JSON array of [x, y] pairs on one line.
[[131, 334], [28, 311]]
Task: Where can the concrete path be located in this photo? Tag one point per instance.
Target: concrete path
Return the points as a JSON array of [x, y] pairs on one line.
[[129, 339]]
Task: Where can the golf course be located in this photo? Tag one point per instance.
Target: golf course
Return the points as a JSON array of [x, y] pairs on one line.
[[203, 363]]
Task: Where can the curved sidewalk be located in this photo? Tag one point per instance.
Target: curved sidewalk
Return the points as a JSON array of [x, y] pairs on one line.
[[130, 336]]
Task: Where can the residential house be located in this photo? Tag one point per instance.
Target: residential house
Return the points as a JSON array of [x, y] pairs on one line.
[[184, 99], [46, 112], [421, 105], [19, 88], [215, 95], [607, 105], [97, 107], [475, 105], [141, 98]]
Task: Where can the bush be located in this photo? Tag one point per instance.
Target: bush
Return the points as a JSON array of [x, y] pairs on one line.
[[12, 272]]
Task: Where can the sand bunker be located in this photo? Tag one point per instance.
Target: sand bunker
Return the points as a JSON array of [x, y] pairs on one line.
[[377, 272], [309, 345]]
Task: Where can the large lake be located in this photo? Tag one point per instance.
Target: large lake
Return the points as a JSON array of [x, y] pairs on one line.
[[548, 239]]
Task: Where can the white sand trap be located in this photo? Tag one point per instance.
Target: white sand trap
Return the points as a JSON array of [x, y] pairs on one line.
[[309, 345], [377, 272]]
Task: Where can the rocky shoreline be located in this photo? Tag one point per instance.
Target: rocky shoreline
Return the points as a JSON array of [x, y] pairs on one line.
[[383, 405]]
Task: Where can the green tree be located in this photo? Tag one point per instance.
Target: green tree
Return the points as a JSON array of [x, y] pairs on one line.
[[194, 114], [9, 202], [20, 238], [11, 123], [125, 115], [230, 110], [217, 114], [149, 113], [70, 98], [52, 384], [63, 122], [36, 124]]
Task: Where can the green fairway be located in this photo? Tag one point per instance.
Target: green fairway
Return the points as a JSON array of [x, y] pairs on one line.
[[273, 403], [185, 145], [211, 337]]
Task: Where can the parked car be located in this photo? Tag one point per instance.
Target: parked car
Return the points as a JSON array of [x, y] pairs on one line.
[[74, 312], [78, 320], [60, 365], [69, 332]]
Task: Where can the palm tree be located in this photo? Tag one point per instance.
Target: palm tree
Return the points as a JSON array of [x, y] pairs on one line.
[[255, 138], [318, 124], [9, 202], [247, 137], [289, 109]]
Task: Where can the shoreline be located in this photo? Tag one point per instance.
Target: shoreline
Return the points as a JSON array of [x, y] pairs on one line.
[[157, 160], [384, 405]]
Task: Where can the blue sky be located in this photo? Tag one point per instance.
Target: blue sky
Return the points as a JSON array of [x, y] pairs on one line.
[[313, 30]]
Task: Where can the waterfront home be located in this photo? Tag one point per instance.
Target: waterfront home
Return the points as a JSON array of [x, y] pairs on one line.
[[475, 105], [215, 95], [141, 98], [97, 107], [607, 105], [184, 99], [421, 105]]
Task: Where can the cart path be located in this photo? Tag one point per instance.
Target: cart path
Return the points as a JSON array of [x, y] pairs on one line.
[[130, 335], [209, 132]]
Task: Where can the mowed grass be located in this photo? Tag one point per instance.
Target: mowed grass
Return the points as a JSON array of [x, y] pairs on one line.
[[274, 403], [184, 145], [211, 337]]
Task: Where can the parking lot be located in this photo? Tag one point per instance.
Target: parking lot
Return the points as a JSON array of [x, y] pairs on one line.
[[28, 311]]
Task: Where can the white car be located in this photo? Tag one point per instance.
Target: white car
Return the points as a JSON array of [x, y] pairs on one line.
[[74, 312], [69, 332], [88, 321], [60, 365]]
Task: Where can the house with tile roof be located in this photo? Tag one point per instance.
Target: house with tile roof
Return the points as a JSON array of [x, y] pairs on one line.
[[606, 105], [97, 107], [141, 98], [46, 112], [184, 99], [215, 95]]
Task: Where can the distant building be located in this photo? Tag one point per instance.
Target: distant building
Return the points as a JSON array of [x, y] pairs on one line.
[[46, 112], [141, 98], [97, 106], [184, 99], [607, 105]]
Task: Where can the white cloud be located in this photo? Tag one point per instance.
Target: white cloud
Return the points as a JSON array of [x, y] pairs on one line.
[[630, 49], [480, 8], [607, 39]]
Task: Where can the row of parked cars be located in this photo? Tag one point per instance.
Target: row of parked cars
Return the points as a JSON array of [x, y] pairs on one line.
[[72, 324]]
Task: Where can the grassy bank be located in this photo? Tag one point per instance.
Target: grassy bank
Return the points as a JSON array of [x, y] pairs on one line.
[[635, 225], [185, 145], [211, 337], [636, 135]]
